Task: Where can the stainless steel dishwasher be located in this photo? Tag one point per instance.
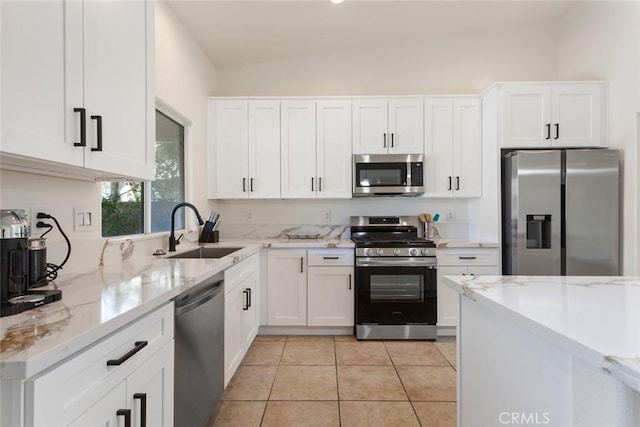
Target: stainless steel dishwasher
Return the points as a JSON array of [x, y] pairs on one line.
[[199, 352]]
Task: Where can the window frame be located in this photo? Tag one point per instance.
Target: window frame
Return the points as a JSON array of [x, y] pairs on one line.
[[176, 116]]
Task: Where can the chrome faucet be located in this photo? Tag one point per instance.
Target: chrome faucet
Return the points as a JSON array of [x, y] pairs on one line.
[[172, 236]]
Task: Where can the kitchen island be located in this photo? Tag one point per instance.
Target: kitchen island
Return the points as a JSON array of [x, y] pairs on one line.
[[557, 351]]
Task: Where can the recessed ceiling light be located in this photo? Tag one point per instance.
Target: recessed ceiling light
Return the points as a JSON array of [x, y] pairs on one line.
[[336, 1]]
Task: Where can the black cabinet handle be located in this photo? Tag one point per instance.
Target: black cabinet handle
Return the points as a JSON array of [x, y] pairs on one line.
[[320, 184], [143, 408], [349, 281], [466, 257], [139, 345], [83, 127], [457, 183], [548, 131], [98, 120], [557, 125], [449, 183], [392, 140], [301, 265], [330, 257], [249, 290], [384, 140], [251, 184], [311, 183], [244, 184], [246, 300], [126, 413]]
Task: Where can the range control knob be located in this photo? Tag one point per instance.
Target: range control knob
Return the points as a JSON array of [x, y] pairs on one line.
[[413, 252], [396, 251], [379, 252], [424, 251], [368, 252]]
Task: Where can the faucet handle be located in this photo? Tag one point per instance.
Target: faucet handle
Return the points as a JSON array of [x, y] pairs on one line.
[[178, 239]]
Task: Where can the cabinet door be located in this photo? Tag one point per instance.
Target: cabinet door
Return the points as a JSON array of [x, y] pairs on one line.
[[150, 390], [117, 55], [298, 149], [287, 287], [232, 142], [250, 316], [331, 296], [333, 161], [526, 116], [438, 160], [33, 81], [370, 126], [264, 149], [447, 297], [467, 148], [577, 116], [104, 411], [234, 303], [406, 126]]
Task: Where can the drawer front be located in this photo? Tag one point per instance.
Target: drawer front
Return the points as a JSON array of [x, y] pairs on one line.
[[329, 257], [75, 385], [471, 256], [238, 272]]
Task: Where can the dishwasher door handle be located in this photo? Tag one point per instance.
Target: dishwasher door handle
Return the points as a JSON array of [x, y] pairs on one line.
[[199, 301]]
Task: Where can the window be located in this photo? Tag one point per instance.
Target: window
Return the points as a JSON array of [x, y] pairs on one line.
[[135, 207]]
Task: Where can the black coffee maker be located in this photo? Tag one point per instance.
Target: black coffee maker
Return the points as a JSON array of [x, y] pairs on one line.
[[16, 294]]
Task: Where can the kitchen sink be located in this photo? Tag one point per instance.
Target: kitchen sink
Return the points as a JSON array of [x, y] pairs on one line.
[[205, 253]]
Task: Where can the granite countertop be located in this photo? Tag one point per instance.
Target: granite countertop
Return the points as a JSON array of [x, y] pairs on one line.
[[97, 303], [594, 318]]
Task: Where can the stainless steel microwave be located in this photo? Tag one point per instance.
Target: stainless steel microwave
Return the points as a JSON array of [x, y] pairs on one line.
[[388, 174]]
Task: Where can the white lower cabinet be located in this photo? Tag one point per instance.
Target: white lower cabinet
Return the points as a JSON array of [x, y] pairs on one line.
[[310, 287], [241, 313], [461, 261], [121, 380]]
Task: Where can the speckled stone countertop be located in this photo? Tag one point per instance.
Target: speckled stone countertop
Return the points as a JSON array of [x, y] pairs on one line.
[[594, 318], [97, 303]]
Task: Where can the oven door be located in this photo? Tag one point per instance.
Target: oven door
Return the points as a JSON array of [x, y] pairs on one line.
[[396, 291]]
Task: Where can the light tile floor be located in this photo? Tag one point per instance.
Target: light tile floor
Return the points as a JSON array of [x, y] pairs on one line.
[[339, 381]]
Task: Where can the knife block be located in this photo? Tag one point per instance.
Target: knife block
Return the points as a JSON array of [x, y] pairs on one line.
[[209, 236]]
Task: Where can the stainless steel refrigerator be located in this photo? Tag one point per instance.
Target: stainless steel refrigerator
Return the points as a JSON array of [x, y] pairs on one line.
[[560, 212]]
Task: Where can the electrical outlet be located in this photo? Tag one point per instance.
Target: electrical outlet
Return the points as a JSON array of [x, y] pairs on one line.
[[327, 216], [451, 216], [33, 219], [83, 219], [247, 216]]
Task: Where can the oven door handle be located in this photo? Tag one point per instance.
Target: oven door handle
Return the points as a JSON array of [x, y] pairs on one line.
[[396, 262]]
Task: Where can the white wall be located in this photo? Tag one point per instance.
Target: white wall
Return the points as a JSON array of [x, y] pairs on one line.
[[452, 64], [455, 64], [184, 79], [601, 40]]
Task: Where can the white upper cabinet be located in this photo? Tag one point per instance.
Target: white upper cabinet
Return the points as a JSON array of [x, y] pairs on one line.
[[247, 144], [393, 126], [553, 115], [298, 149], [453, 161], [333, 149], [316, 149], [92, 106]]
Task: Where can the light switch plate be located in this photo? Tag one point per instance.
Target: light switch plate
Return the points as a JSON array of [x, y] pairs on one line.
[[83, 219]]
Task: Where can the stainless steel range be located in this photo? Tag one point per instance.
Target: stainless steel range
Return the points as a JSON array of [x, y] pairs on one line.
[[395, 272]]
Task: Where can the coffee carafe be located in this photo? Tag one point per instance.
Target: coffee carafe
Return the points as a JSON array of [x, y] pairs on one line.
[[14, 254]]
